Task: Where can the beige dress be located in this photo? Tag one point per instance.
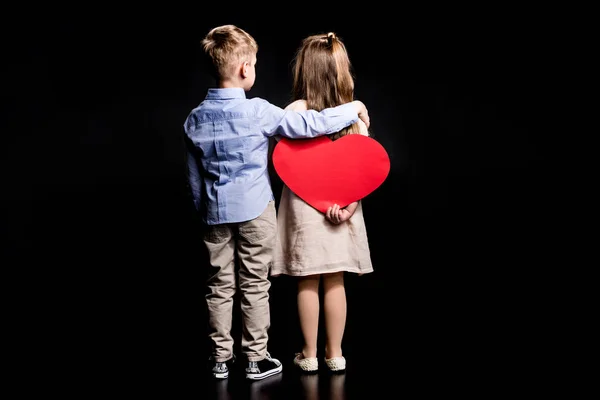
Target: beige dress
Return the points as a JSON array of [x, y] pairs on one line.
[[308, 244]]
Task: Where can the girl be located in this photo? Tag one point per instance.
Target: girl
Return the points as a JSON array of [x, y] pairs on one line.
[[314, 247]]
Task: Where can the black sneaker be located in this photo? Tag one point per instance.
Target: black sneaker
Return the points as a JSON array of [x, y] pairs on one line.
[[220, 370], [264, 368]]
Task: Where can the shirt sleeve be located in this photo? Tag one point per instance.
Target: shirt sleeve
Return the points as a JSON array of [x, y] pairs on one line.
[[304, 124], [194, 179]]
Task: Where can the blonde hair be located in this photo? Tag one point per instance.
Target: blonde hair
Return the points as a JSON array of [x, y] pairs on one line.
[[227, 46], [323, 76]]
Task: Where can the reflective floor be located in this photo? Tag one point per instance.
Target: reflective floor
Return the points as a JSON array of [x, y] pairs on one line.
[[425, 348], [415, 332], [287, 385], [378, 378]]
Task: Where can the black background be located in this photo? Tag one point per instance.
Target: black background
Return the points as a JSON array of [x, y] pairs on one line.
[[98, 220]]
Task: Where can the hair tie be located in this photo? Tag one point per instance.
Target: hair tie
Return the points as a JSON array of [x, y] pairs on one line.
[[330, 37]]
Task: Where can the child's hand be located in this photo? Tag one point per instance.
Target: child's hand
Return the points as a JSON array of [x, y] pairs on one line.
[[337, 215], [362, 112]]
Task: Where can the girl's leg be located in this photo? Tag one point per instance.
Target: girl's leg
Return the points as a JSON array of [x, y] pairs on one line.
[[308, 311], [335, 313]]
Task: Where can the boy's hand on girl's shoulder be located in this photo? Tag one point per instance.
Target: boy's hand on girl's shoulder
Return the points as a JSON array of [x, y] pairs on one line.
[[362, 112]]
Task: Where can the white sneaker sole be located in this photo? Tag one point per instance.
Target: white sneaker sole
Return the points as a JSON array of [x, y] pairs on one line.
[[222, 375], [264, 375]]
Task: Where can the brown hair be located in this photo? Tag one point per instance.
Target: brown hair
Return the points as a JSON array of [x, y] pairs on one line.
[[226, 46], [323, 76]]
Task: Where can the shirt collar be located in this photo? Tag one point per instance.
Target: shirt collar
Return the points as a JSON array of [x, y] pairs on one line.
[[225, 93]]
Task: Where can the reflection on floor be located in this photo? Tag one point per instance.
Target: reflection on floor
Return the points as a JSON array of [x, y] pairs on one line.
[[287, 385]]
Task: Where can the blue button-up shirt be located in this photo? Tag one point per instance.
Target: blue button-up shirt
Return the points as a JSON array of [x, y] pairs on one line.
[[228, 145]]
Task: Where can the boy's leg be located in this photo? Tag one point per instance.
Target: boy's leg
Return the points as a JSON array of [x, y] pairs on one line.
[[255, 250], [219, 241]]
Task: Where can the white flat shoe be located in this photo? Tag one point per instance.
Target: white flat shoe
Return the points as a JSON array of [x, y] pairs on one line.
[[336, 363], [310, 364]]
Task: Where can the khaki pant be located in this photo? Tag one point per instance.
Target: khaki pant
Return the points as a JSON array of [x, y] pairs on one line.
[[251, 244]]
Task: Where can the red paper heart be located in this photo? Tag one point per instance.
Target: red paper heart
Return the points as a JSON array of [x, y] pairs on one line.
[[323, 172]]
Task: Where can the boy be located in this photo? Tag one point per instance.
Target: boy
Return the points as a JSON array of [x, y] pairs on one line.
[[227, 140]]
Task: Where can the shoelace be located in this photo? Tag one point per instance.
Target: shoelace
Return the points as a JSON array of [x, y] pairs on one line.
[[253, 366], [221, 367]]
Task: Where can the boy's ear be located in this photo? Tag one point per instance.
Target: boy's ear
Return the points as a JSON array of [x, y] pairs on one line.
[[244, 69]]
